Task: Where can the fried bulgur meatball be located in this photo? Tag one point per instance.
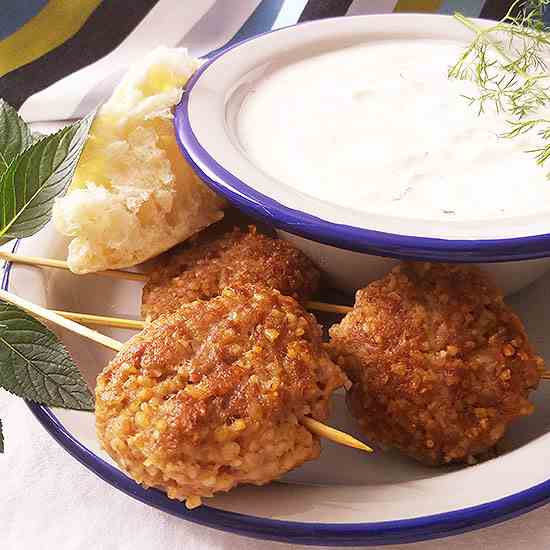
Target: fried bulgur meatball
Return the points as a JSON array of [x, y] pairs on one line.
[[211, 395], [203, 270], [439, 364]]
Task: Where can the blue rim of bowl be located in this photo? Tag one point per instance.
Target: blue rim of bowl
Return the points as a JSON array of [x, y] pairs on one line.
[[311, 227], [315, 534]]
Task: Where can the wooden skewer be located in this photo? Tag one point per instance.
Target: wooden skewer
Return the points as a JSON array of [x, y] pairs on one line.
[[313, 425], [52, 316], [142, 277], [102, 320], [61, 264], [330, 308], [322, 430]]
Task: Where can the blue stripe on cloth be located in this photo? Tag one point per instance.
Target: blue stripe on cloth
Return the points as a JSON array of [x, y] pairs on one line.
[[206, 32], [261, 20], [15, 13], [469, 8]]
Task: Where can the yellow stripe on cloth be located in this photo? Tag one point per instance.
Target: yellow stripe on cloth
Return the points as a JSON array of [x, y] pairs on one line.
[[49, 28], [429, 6]]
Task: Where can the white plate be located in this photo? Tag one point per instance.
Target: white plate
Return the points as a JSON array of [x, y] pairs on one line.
[[346, 497]]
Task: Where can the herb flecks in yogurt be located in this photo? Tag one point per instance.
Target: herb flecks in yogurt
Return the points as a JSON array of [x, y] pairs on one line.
[[362, 126]]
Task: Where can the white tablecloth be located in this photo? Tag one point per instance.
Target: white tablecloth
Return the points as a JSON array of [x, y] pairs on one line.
[[49, 501]]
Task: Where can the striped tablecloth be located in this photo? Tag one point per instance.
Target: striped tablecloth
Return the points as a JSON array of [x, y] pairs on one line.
[[60, 58]]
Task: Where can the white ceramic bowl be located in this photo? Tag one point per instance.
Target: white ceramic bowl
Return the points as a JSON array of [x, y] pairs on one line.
[[350, 245], [344, 498]]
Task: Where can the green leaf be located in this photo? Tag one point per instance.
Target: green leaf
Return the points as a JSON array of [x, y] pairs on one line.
[[15, 135], [35, 365], [36, 177], [1, 438]]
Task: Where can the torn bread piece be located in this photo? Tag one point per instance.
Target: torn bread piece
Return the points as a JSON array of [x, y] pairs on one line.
[[133, 195]]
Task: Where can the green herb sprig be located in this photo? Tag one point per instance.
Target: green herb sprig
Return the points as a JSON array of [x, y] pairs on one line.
[[34, 170], [507, 62]]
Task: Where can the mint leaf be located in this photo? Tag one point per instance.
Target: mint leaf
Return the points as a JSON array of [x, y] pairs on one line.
[[35, 365], [15, 135], [1, 438], [36, 177]]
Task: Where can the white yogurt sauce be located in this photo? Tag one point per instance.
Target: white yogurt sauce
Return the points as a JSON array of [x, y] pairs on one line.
[[380, 128]]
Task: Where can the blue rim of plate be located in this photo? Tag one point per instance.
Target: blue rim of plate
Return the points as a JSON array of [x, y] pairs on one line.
[[311, 227], [315, 534]]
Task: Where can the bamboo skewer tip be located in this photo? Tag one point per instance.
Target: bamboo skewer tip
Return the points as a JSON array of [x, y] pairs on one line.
[[322, 430]]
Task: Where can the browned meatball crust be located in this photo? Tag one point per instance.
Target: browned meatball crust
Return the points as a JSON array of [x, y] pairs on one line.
[[440, 365], [211, 395], [202, 270]]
